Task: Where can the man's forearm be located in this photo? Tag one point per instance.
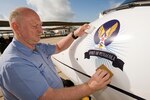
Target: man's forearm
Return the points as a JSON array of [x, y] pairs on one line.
[[74, 93], [64, 43], [70, 93]]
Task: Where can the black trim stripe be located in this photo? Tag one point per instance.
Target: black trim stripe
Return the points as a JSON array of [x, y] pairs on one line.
[[109, 85]]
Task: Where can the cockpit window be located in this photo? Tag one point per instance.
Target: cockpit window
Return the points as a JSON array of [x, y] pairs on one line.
[[131, 1], [127, 4]]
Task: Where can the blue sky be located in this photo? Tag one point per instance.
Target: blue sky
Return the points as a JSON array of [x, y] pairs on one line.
[[60, 10]]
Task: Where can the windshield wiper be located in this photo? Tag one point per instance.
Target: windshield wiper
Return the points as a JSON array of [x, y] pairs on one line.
[[126, 6]]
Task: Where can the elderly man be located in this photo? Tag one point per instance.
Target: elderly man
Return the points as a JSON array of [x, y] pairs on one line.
[[26, 71]]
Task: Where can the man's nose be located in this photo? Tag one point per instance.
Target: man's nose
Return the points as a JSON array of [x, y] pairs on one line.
[[40, 29]]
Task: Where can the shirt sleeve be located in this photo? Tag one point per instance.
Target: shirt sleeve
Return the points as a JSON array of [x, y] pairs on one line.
[[24, 80]]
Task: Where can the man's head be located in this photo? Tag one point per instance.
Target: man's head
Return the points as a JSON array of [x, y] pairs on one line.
[[26, 25]]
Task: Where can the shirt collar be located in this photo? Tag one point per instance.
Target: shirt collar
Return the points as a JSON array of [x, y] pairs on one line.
[[22, 48]]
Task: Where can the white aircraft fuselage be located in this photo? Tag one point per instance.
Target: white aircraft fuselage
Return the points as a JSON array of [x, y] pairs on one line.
[[120, 40]]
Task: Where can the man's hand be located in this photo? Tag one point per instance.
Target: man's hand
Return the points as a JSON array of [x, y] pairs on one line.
[[81, 30], [99, 80]]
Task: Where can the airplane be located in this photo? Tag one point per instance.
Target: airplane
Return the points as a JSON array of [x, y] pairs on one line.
[[119, 39]]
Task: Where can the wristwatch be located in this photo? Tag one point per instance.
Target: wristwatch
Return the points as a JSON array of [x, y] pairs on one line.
[[73, 36]]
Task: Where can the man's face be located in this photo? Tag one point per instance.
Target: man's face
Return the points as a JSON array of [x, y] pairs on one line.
[[31, 29]]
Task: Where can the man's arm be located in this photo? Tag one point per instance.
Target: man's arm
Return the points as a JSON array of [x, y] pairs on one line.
[[66, 42], [98, 81]]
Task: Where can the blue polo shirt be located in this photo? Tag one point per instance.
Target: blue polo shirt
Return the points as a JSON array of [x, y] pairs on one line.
[[26, 74]]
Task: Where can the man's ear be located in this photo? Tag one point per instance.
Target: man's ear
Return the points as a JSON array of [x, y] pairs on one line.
[[14, 26]]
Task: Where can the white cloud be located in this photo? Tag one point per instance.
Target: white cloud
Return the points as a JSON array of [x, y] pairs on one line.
[[54, 10]]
